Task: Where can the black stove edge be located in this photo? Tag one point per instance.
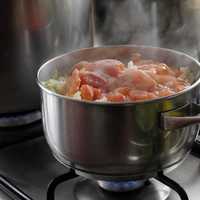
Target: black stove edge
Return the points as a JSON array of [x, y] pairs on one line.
[[20, 142], [12, 191], [15, 135], [16, 194]]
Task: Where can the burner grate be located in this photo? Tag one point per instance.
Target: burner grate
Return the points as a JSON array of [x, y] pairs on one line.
[[161, 177], [55, 182], [17, 194], [172, 184]]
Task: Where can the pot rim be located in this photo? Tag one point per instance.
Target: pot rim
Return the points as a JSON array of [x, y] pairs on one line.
[[43, 88]]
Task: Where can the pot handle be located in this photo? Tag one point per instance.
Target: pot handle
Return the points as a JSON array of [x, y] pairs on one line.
[[181, 117]]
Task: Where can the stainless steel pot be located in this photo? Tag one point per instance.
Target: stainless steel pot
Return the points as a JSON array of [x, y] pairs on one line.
[[33, 31], [120, 140]]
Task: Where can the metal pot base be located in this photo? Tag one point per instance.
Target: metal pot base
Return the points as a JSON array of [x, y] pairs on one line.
[[100, 176], [111, 177]]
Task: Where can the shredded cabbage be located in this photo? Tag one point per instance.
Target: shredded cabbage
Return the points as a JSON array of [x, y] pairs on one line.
[[55, 85]]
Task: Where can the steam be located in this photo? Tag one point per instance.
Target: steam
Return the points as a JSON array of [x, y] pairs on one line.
[[73, 24], [126, 22], [169, 24]]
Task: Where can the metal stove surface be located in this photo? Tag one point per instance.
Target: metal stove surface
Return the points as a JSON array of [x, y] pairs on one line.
[[82, 189], [30, 166]]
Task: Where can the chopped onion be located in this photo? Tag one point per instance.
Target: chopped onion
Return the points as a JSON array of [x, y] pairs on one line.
[[103, 99], [77, 95], [131, 65]]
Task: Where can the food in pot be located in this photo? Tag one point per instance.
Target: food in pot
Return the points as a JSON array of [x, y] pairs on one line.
[[111, 80]]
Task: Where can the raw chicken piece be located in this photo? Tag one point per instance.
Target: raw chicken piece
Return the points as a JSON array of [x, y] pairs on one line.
[[109, 80], [165, 92], [93, 79], [116, 97], [83, 65], [135, 78], [123, 90], [163, 69], [136, 95], [110, 67], [163, 79]]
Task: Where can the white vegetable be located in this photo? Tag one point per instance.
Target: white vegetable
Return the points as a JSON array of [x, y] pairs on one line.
[[55, 85], [131, 65], [103, 99], [77, 95]]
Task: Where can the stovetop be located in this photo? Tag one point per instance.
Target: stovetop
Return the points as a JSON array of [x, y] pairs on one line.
[[31, 167]]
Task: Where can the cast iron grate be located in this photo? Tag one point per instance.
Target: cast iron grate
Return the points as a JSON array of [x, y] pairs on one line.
[[17, 194]]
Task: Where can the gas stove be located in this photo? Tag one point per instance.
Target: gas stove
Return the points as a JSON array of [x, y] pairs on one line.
[[29, 172]]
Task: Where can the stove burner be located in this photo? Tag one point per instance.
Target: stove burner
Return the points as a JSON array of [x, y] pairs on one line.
[[157, 188], [13, 120], [121, 186], [90, 190], [79, 188]]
